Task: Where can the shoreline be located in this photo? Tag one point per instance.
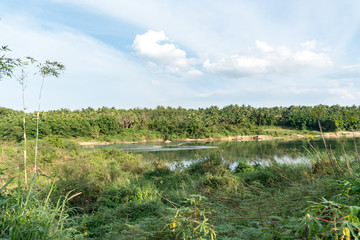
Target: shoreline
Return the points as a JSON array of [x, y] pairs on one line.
[[234, 138]]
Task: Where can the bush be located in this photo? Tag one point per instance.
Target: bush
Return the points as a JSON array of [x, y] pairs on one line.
[[329, 220], [213, 164], [137, 191], [190, 222]]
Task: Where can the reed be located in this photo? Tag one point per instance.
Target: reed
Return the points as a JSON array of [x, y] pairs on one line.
[[24, 214]]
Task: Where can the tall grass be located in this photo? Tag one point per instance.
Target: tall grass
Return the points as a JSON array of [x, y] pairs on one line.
[[24, 214]]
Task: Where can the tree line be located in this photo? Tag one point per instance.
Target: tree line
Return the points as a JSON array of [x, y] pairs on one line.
[[171, 123]]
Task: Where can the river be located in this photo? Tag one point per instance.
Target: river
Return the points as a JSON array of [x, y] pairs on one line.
[[253, 152]]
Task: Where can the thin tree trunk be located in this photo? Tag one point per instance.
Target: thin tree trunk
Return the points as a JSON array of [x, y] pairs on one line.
[[37, 126], [21, 80], [25, 146]]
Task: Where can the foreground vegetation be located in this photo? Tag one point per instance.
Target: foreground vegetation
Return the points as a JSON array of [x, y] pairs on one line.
[[108, 194]]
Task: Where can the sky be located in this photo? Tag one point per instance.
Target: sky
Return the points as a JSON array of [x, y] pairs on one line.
[[148, 53]]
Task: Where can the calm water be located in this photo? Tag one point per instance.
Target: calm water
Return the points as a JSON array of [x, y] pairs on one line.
[[233, 152]]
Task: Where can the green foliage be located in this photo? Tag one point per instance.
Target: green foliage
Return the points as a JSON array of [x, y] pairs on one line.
[[331, 220], [7, 64], [108, 125], [170, 123], [272, 227], [10, 132], [24, 214], [92, 172], [190, 222], [244, 166], [49, 69], [125, 196], [137, 191], [213, 164]]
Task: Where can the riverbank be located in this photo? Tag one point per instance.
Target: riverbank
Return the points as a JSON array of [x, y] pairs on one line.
[[339, 134]]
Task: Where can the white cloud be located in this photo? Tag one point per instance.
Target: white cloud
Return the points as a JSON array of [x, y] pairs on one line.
[[194, 25], [345, 94], [96, 74], [151, 45], [264, 47], [354, 67], [195, 73], [211, 94], [237, 66], [218, 31], [347, 73], [271, 60], [312, 59], [309, 45], [155, 46]]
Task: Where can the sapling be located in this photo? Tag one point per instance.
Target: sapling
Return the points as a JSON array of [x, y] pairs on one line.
[[47, 69], [21, 81], [7, 66]]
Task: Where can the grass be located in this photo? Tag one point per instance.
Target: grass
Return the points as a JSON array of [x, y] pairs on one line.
[[125, 197], [284, 132], [27, 215]]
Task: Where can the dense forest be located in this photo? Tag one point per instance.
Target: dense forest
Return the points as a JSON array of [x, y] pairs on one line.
[[174, 123]]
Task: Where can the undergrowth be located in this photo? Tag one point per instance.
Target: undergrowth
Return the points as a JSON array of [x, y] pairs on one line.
[[123, 196], [24, 214]]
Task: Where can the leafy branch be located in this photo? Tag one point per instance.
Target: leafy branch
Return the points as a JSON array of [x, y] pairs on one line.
[[7, 65]]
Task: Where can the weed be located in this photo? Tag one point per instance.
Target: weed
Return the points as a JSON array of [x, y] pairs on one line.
[[329, 220], [190, 222], [25, 215]]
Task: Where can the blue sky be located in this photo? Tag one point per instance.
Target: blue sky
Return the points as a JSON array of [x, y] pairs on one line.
[[143, 53]]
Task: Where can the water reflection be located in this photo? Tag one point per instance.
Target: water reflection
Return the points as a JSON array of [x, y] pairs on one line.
[[158, 147], [253, 152]]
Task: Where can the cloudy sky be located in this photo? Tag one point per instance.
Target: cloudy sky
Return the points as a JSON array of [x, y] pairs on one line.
[[145, 53]]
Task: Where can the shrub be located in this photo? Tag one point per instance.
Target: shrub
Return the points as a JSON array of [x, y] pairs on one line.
[[329, 220], [190, 222], [213, 164]]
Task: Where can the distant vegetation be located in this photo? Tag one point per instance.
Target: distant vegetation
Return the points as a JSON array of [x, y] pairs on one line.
[[175, 123]]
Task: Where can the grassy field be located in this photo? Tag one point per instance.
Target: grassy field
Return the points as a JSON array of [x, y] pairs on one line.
[[108, 194]]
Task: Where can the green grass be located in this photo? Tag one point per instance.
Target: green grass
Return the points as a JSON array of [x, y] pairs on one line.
[[125, 197], [285, 132], [24, 214]]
